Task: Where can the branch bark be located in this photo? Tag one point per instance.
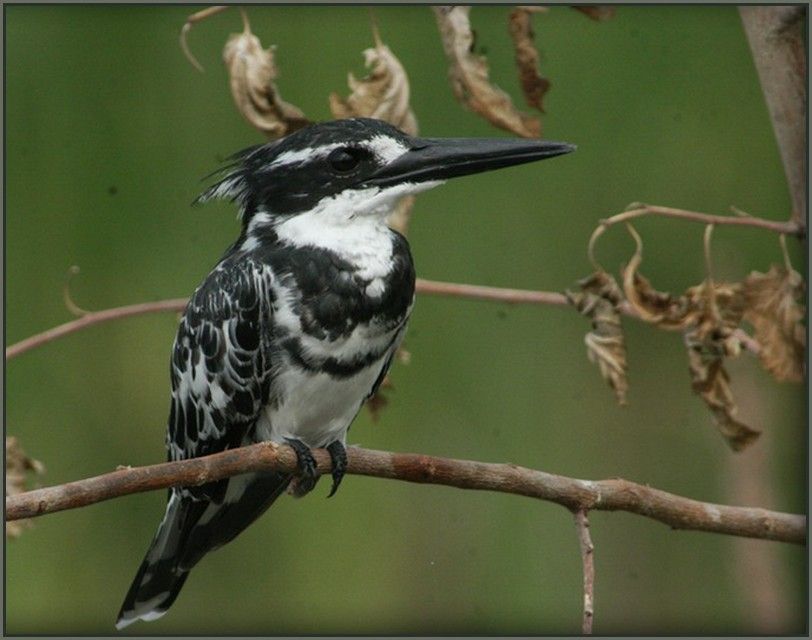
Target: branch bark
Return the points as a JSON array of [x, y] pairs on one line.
[[576, 495], [775, 34]]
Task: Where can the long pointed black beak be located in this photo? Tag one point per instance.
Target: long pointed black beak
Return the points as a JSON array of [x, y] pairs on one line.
[[443, 158]]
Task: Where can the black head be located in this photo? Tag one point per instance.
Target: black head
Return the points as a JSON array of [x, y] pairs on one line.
[[359, 157]]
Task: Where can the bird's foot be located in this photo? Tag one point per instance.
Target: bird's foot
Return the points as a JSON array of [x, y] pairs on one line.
[[338, 456], [306, 463]]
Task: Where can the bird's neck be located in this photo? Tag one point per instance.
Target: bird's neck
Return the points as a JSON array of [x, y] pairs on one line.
[[363, 241]]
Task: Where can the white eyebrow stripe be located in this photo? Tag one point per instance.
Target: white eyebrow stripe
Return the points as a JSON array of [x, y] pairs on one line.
[[385, 148], [300, 155]]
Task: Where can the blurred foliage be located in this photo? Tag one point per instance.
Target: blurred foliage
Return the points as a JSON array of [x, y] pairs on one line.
[[108, 130]]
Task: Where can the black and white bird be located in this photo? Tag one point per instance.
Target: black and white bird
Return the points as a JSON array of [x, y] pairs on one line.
[[296, 325]]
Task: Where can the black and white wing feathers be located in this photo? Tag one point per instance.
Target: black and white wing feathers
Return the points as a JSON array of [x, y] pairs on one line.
[[220, 369]]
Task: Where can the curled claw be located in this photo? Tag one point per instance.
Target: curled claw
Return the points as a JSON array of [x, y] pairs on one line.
[[338, 456], [306, 464]]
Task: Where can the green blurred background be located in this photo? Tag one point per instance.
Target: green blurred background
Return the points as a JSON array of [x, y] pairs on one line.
[[109, 130]]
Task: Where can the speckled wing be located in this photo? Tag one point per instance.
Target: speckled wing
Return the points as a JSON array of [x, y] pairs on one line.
[[220, 369]]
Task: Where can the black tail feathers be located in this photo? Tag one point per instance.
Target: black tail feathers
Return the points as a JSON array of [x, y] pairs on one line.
[[190, 529], [159, 578]]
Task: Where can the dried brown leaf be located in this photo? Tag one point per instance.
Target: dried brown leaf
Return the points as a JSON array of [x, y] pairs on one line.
[[717, 310], [775, 309], [600, 13], [18, 469], [468, 74], [650, 305], [710, 380], [708, 314], [598, 298], [252, 72], [382, 94], [534, 86]]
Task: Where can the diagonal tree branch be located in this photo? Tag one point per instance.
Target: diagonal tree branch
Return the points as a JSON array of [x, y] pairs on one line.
[[576, 495], [425, 287], [93, 318], [775, 34]]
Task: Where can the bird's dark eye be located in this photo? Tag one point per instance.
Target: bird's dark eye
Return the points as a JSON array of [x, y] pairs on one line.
[[344, 160]]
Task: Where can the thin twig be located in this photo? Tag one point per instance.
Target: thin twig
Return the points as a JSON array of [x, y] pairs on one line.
[[606, 495], [497, 294], [187, 27], [790, 227], [426, 287], [91, 318], [588, 562]]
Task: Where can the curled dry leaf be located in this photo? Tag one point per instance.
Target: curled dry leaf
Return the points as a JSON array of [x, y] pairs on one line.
[[18, 467], [534, 86], [708, 314], [252, 72], [598, 298], [709, 341], [657, 307], [468, 74], [382, 94], [650, 305], [775, 309]]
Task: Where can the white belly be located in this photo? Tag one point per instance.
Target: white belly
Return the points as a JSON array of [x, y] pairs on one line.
[[315, 408]]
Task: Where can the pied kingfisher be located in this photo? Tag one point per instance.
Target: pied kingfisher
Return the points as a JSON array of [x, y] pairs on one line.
[[296, 325]]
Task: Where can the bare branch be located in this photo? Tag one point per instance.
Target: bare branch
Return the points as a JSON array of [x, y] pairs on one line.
[[91, 318], [638, 210], [588, 562], [497, 294], [574, 494], [775, 34], [426, 287]]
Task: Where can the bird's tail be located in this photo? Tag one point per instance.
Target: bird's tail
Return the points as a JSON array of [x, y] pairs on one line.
[[159, 578], [190, 529]]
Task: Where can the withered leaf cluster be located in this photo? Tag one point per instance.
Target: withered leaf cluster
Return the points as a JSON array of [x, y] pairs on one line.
[[598, 297], [468, 74], [774, 306], [252, 74], [710, 316], [19, 467]]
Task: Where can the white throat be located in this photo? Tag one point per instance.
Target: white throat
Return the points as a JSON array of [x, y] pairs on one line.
[[351, 224]]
